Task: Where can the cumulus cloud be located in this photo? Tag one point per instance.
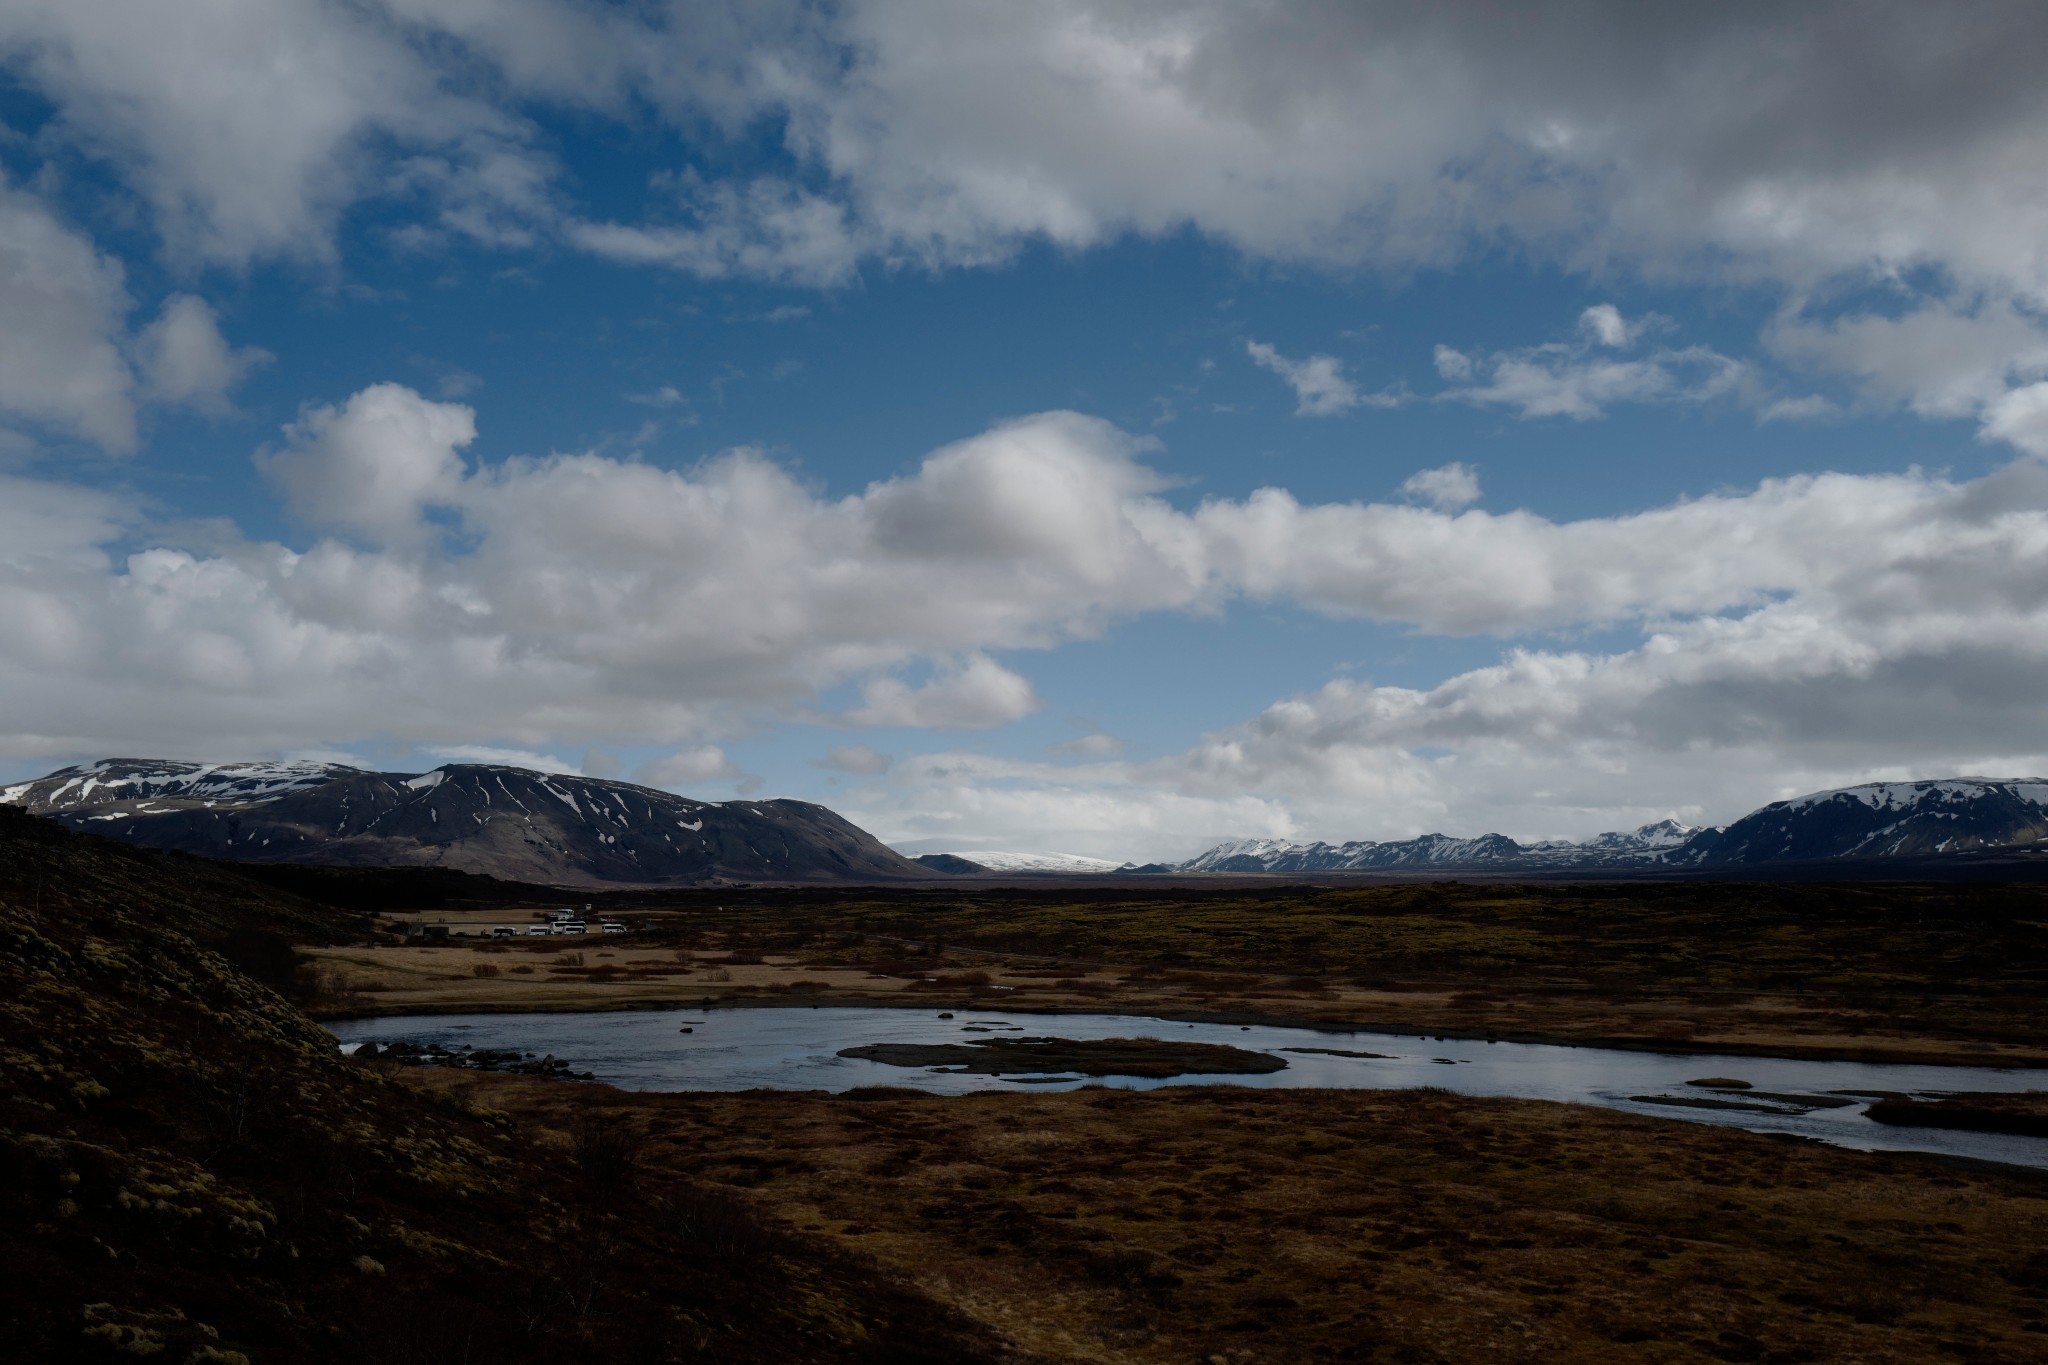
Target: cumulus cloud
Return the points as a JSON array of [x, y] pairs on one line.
[[1095, 745], [249, 125], [1941, 359], [374, 464], [858, 759], [65, 352], [1320, 388], [1800, 147], [510, 758], [940, 801], [687, 767], [184, 359], [1447, 488], [60, 358], [2019, 418], [1771, 637], [973, 695], [1604, 322], [1581, 379]]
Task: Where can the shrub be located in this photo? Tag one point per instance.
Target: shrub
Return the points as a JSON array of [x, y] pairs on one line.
[[483, 969]]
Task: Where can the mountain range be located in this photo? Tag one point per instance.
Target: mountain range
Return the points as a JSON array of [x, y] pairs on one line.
[[500, 821], [520, 825], [1875, 821]]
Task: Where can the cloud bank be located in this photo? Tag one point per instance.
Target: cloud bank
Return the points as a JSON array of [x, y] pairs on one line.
[[1763, 635]]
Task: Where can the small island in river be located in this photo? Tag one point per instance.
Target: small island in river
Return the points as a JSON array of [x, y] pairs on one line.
[[1150, 1058]]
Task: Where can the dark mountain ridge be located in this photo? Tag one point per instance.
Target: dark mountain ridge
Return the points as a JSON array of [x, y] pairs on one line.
[[490, 819]]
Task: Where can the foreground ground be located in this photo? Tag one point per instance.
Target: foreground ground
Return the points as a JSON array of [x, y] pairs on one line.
[[190, 1173], [1875, 972], [1198, 1224]]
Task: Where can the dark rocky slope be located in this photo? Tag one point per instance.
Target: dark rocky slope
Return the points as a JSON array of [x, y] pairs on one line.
[[189, 1172], [498, 821]]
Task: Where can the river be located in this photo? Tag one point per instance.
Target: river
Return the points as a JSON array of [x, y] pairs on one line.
[[796, 1049]]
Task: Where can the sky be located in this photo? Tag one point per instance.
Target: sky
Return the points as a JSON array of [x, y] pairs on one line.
[[1106, 428]]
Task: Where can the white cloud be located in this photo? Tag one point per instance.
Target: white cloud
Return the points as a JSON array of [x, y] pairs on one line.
[[184, 359], [768, 229], [1604, 322], [1096, 745], [1940, 360], [976, 694], [65, 346], [2019, 418], [1943, 359], [1581, 380], [1448, 489], [60, 359], [509, 758], [1320, 388], [1810, 407], [858, 759], [1805, 148], [1776, 636], [248, 125], [375, 464], [940, 801], [687, 767]]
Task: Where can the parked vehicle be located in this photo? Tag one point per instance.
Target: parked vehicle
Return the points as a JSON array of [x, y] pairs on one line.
[[612, 928], [539, 931], [571, 926], [504, 931]]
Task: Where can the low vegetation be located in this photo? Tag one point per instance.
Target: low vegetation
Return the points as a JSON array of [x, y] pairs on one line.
[[189, 1172], [1192, 1224], [1880, 972]]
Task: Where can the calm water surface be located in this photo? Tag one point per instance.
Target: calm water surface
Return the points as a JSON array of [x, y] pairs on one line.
[[795, 1049]]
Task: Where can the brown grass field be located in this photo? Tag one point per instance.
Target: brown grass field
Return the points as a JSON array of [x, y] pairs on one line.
[[1204, 1224]]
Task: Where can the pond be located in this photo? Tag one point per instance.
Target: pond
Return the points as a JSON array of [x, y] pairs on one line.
[[798, 1049]]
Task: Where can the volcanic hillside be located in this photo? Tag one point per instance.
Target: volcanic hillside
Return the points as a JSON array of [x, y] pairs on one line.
[[500, 821]]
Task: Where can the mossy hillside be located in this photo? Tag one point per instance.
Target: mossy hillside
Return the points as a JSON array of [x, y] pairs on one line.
[[190, 1171]]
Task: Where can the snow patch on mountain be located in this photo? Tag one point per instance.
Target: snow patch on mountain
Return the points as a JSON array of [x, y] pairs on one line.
[[127, 779], [997, 861]]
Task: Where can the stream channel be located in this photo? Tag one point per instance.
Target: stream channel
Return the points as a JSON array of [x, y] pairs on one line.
[[797, 1049]]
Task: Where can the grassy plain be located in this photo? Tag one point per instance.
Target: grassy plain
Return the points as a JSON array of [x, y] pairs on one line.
[[1208, 1223], [1873, 971]]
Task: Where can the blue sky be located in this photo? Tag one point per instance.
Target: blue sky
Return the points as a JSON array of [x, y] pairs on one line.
[[1104, 429]]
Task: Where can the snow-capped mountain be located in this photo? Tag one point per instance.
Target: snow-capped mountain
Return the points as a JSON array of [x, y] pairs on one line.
[[502, 821], [1882, 820], [1073, 863], [147, 782], [1877, 820], [1277, 855], [1438, 851]]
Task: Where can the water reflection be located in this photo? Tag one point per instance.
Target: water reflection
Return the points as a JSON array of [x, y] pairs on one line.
[[796, 1049]]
